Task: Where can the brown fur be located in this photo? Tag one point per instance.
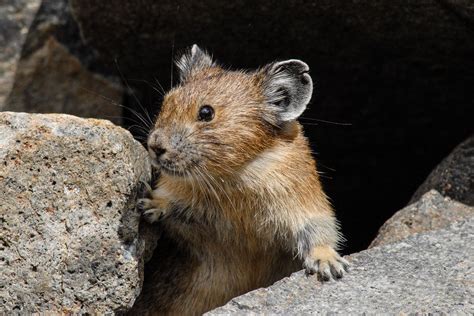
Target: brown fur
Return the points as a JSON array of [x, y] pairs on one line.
[[239, 198]]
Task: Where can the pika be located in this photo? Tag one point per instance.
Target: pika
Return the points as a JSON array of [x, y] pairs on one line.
[[239, 200]]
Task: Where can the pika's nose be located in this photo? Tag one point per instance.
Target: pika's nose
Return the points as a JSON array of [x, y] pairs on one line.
[[159, 151], [155, 143]]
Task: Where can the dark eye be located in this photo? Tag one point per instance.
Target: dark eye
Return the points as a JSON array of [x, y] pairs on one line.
[[206, 113]]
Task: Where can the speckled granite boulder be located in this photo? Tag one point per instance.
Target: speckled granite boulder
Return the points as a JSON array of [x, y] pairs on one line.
[[454, 176], [428, 272], [69, 229], [432, 211]]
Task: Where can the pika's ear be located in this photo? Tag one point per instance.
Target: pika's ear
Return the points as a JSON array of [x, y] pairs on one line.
[[288, 86], [194, 59]]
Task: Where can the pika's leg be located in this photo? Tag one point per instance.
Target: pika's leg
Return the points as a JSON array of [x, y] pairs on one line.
[[155, 206], [326, 262], [316, 238]]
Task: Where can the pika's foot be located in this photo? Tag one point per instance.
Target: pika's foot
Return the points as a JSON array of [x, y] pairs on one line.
[[149, 210], [326, 263]]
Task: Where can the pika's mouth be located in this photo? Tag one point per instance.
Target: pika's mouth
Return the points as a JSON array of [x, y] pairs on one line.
[[173, 167], [164, 165], [172, 171]]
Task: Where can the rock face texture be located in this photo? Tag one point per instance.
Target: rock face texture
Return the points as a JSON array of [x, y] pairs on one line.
[[15, 19], [69, 230], [425, 273], [454, 176], [431, 212]]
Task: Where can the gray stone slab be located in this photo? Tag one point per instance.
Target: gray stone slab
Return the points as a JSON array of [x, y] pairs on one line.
[[431, 272]]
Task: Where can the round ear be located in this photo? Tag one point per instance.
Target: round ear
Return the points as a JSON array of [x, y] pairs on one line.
[[288, 86], [194, 59]]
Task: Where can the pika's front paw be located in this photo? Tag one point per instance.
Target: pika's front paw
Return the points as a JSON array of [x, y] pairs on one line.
[[326, 262], [149, 210]]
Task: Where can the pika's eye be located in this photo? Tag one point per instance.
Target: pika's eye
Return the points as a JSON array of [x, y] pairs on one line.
[[206, 113]]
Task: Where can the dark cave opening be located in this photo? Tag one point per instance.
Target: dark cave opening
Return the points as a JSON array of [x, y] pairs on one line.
[[401, 82]]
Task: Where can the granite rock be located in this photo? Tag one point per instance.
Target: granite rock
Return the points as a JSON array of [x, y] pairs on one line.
[[454, 176], [431, 212], [430, 272], [69, 228], [15, 19]]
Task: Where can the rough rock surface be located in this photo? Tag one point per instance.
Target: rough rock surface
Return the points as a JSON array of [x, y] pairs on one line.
[[15, 19], [431, 272], [454, 176], [431, 212], [69, 230]]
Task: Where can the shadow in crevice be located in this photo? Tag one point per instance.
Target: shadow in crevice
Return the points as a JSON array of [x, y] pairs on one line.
[[137, 236]]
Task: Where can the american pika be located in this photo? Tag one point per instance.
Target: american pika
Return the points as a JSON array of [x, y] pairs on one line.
[[238, 199]]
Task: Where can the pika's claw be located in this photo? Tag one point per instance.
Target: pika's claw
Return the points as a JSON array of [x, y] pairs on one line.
[[345, 263], [144, 204], [326, 263], [148, 188], [152, 215], [151, 209]]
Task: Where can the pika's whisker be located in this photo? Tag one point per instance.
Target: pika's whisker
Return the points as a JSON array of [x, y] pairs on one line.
[[324, 121], [133, 93]]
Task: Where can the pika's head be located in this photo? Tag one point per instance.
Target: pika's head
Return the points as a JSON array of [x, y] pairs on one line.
[[216, 121]]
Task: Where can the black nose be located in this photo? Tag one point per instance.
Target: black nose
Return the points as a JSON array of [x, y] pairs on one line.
[[158, 151]]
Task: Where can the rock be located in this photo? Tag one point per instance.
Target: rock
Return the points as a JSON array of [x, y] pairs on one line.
[[431, 212], [51, 80], [56, 72], [69, 230], [454, 176], [395, 71], [15, 19], [424, 273]]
